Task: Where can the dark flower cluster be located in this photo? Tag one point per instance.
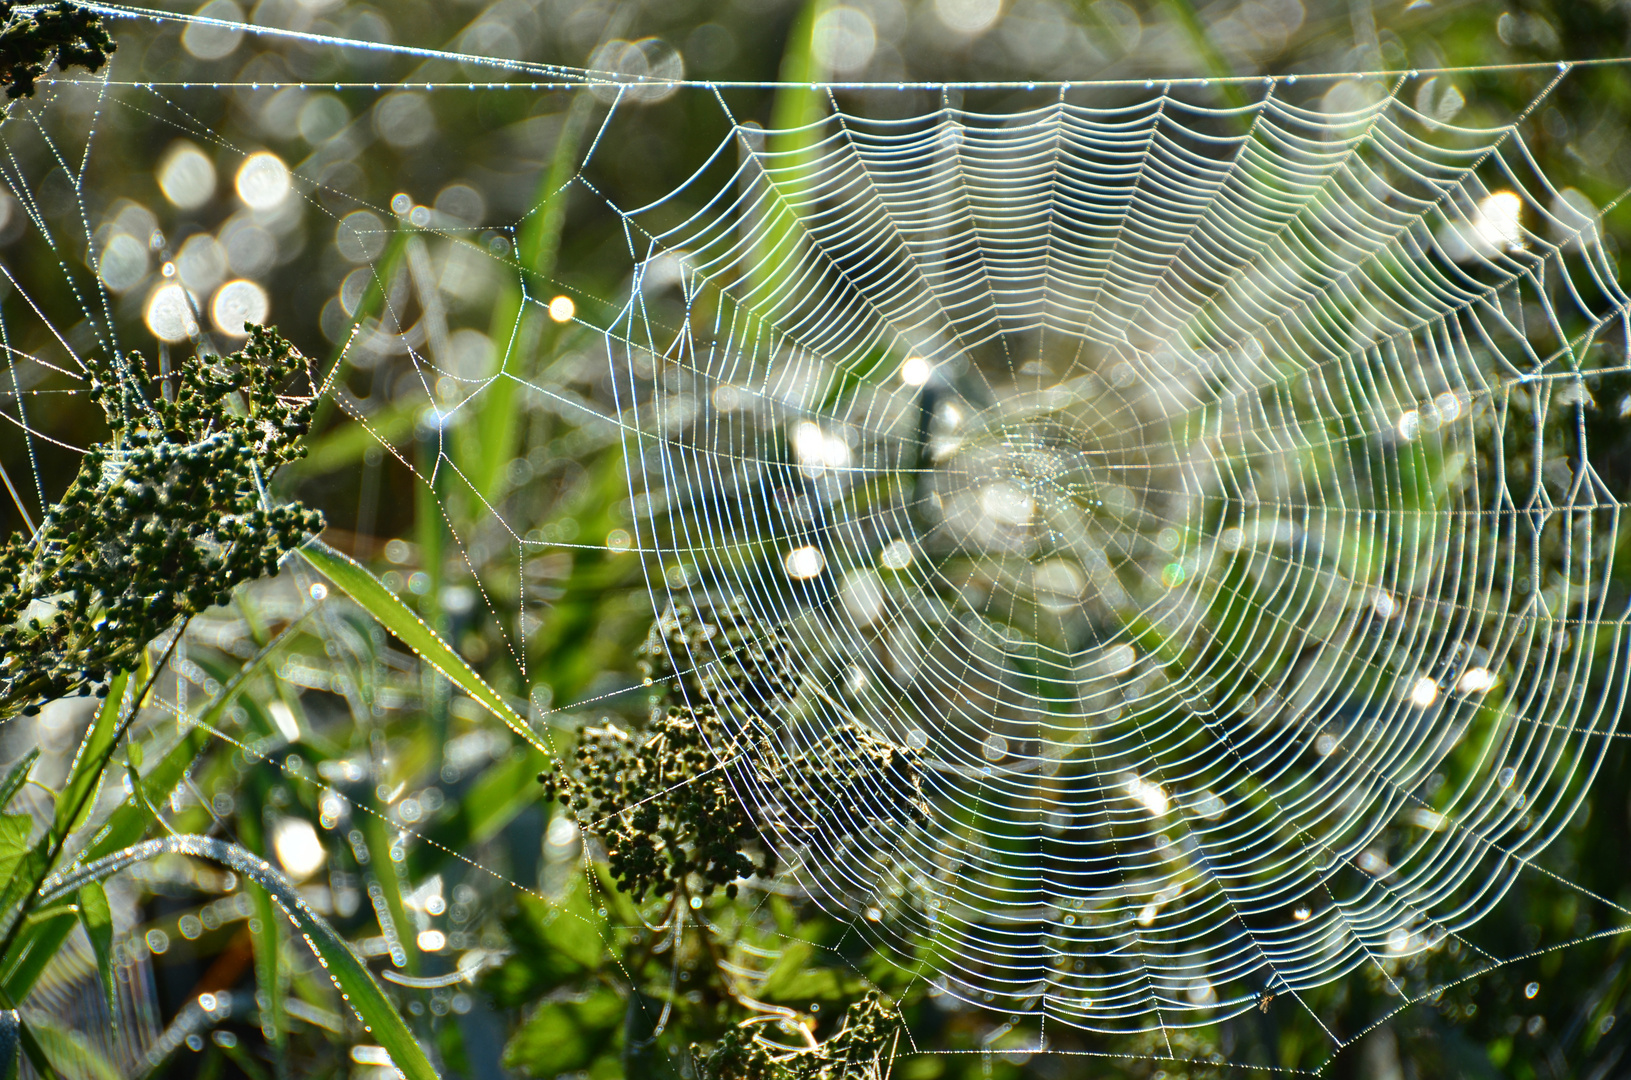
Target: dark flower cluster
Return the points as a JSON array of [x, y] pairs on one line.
[[861, 1049], [29, 40], [663, 804], [691, 796], [733, 658], [163, 520]]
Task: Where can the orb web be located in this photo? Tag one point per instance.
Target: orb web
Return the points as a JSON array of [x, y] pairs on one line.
[[1202, 495]]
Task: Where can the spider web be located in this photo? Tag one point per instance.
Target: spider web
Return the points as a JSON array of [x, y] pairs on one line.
[[1164, 488], [1201, 493]]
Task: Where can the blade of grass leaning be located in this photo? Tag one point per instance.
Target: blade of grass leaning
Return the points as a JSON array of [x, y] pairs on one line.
[[31, 1047], [86, 771], [97, 918], [351, 977], [354, 579], [17, 777], [519, 328], [266, 932], [80, 1057]]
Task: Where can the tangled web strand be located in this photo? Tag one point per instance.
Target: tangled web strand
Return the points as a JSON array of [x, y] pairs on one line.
[[1203, 495]]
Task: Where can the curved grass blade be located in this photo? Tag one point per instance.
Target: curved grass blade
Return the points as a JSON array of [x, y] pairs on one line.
[[355, 982], [383, 604]]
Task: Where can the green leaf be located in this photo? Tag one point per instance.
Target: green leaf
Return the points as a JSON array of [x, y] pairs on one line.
[[86, 772], [564, 1035], [36, 946], [350, 976], [17, 777], [97, 918], [62, 1045], [31, 1047], [555, 941], [14, 830], [130, 821], [368, 591]]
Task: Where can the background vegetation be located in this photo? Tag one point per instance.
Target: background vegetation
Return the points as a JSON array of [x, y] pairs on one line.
[[326, 731]]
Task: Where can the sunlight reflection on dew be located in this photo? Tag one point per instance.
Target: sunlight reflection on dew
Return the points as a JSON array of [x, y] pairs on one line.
[[169, 314], [239, 305], [263, 181], [186, 176]]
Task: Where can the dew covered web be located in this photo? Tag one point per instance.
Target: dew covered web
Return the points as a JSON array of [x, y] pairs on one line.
[[1201, 496]]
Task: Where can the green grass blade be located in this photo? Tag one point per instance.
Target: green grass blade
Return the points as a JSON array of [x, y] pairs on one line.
[[384, 605], [17, 777], [494, 438], [86, 771], [353, 979], [97, 918]]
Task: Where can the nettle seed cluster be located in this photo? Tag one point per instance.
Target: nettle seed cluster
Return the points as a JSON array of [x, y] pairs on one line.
[[163, 520], [702, 797], [29, 39]]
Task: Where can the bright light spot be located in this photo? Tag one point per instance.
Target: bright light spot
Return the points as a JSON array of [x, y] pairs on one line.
[[619, 540], [968, 16], [209, 41], [1172, 575], [1506, 776], [1120, 658], [1424, 693], [298, 847], [123, 263], [1200, 992], [1386, 607], [238, 305], [995, 748], [563, 832], [283, 717], [844, 39], [1448, 407], [1059, 585], [1476, 680], [896, 555], [917, 738], [1324, 744], [319, 591], [817, 450], [1147, 914], [169, 314], [1500, 220], [1301, 913], [371, 1055], [1208, 806], [915, 371], [1232, 539], [158, 941], [803, 563], [1007, 505], [1149, 795], [207, 1002], [1399, 940], [263, 181], [1423, 818], [1409, 424], [1531, 990], [432, 941], [561, 309], [187, 176]]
